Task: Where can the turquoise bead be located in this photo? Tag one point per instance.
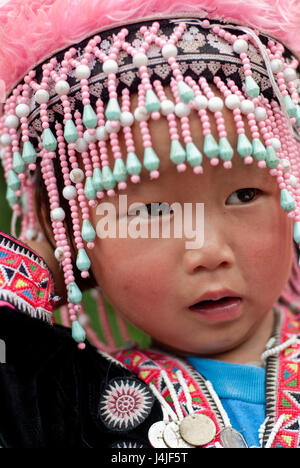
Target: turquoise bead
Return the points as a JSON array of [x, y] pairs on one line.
[[194, 156], [89, 189], [119, 172], [83, 262], [272, 159], [78, 333], [113, 111], [290, 106], [258, 150], [177, 154], [152, 103], [251, 87], [185, 91], [70, 132], [108, 180], [74, 293], [28, 153], [13, 180], [225, 149], [89, 117], [287, 202], [297, 232], [11, 196], [87, 231], [244, 147], [133, 164], [210, 147], [48, 140], [298, 115], [18, 163], [151, 160], [97, 179]]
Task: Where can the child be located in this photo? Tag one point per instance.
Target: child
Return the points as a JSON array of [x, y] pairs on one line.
[[208, 108]]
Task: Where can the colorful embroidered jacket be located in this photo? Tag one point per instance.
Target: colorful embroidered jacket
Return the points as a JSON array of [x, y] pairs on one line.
[[53, 395]]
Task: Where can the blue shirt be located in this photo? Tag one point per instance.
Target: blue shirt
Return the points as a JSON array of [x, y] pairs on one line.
[[241, 389]]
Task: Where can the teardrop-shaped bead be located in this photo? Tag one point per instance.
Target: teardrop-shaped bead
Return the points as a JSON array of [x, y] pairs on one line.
[[193, 155], [272, 159], [290, 106], [83, 262], [244, 147], [108, 180], [133, 164], [70, 132], [97, 179], [258, 150], [210, 146], [89, 117], [18, 163], [251, 87], [48, 140], [185, 91], [297, 232], [225, 149], [151, 160], [152, 103], [113, 111], [74, 293], [87, 231], [28, 153], [89, 189], [13, 180], [119, 172], [78, 333], [287, 202], [11, 196], [177, 154]]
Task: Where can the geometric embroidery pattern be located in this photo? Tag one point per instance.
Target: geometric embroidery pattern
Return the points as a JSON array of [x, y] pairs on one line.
[[25, 281]]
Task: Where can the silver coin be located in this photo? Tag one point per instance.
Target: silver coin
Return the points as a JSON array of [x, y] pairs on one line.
[[173, 438], [230, 438], [156, 435], [197, 429]]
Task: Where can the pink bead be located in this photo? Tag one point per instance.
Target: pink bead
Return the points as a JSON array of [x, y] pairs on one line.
[[135, 179], [248, 160], [214, 161], [227, 164], [81, 346], [261, 164], [154, 174], [198, 170], [181, 167], [111, 193]]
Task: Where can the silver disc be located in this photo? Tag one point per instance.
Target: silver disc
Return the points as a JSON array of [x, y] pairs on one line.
[[173, 438], [197, 429], [156, 435]]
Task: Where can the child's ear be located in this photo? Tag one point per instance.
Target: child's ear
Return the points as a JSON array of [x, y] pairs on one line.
[[44, 250]]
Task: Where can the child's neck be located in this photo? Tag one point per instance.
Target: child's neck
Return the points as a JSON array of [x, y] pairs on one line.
[[249, 350]]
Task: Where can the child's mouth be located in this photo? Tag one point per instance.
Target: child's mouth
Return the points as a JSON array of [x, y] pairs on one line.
[[226, 308]]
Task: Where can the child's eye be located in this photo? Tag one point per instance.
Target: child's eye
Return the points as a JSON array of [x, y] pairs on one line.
[[242, 196]]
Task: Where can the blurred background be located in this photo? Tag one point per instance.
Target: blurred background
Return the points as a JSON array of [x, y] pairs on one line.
[[5, 211]]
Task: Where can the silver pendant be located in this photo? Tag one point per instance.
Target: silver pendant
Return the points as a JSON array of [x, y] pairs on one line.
[[173, 438], [230, 438], [197, 429], [156, 435]]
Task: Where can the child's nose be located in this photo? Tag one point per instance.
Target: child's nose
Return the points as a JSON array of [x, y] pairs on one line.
[[213, 254]]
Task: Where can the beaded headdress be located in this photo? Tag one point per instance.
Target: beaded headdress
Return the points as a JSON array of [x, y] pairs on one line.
[[74, 99]]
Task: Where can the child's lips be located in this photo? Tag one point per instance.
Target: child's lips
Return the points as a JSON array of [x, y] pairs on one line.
[[217, 310]]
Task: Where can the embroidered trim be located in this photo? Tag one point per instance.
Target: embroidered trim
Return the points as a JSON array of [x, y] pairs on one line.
[[25, 280]]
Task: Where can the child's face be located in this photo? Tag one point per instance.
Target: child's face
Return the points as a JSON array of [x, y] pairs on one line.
[[247, 249]]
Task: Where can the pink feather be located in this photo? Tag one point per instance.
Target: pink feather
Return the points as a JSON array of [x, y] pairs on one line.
[[33, 29]]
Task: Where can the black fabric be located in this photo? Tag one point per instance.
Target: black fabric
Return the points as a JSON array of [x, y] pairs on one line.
[[50, 390]]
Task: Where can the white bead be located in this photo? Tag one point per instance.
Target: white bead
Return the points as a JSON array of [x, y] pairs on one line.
[[276, 65], [82, 72], [2, 153], [167, 107], [42, 96], [276, 143], [289, 74], [260, 113], [62, 87], [57, 214], [140, 59], [232, 101], [126, 119], [89, 138], [76, 175], [240, 46], [201, 102], [141, 114], [22, 110], [110, 66], [285, 164], [293, 180], [182, 109], [5, 139], [12, 121], [111, 129], [215, 104], [247, 106], [69, 192], [59, 253], [30, 234], [81, 145], [169, 50], [101, 133]]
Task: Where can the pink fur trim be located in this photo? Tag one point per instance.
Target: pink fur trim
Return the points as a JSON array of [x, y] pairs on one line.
[[31, 29]]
